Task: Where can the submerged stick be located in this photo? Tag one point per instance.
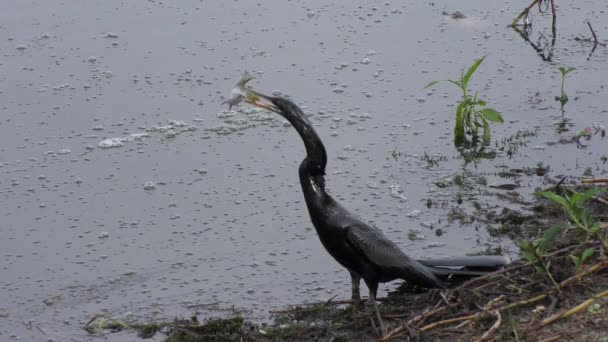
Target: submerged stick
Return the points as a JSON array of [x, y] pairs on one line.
[[524, 12], [592, 32]]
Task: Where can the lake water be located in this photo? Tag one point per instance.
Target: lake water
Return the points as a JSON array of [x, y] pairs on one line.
[[128, 189]]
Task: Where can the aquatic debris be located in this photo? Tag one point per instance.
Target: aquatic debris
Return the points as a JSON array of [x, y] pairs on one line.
[[341, 66], [455, 15], [112, 142], [415, 234], [396, 192], [586, 134], [118, 142], [109, 35], [226, 114], [414, 213], [507, 186], [52, 299], [149, 186], [434, 245], [231, 125], [172, 129]]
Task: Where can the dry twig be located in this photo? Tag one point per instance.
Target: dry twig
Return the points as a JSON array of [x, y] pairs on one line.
[[594, 180], [483, 313], [551, 338], [493, 328], [582, 306]]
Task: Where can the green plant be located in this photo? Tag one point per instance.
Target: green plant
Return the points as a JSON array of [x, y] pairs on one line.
[[563, 98], [534, 251], [470, 113], [578, 214], [580, 261]]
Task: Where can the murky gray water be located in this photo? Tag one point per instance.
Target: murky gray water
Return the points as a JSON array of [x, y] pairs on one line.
[[126, 189]]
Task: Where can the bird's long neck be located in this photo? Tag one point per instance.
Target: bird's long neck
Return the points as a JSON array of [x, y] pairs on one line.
[[312, 168]]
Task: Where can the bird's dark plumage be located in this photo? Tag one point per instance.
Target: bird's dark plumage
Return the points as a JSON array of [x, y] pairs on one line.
[[359, 247]]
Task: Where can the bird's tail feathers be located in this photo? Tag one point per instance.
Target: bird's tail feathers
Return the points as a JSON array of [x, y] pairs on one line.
[[479, 262]]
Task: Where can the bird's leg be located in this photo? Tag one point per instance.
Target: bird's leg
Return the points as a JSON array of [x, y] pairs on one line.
[[372, 285], [372, 298], [373, 290], [355, 280]]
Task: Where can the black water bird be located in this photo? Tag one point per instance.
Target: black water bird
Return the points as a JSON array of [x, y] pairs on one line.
[[358, 246]]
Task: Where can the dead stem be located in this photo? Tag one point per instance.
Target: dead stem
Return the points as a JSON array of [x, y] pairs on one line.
[[574, 310], [551, 338], [420, 318], [593, 180], [484, 313], [486, 336]]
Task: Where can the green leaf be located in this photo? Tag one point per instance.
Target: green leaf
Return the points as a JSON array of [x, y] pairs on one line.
[[531, 257], [555, 198], [564, 71], [595, 309], [584, 196], [467, 76], [455, 83], [549, 235], [481, 102], [469, 120], [587, 253], [585, 218], [486, 132], [577, 262], [459, 125], [491, 115], [596, 227], [431, 84]]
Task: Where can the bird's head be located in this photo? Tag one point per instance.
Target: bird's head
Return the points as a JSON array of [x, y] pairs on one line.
[[241, 93]]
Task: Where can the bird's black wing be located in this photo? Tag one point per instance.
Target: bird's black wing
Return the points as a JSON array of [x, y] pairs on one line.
[[384, 254]]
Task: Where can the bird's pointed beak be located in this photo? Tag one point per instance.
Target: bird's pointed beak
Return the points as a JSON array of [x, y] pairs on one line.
[[260, 100]]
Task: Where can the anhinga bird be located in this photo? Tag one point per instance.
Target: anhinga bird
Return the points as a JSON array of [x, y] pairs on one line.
[[358, 246]]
